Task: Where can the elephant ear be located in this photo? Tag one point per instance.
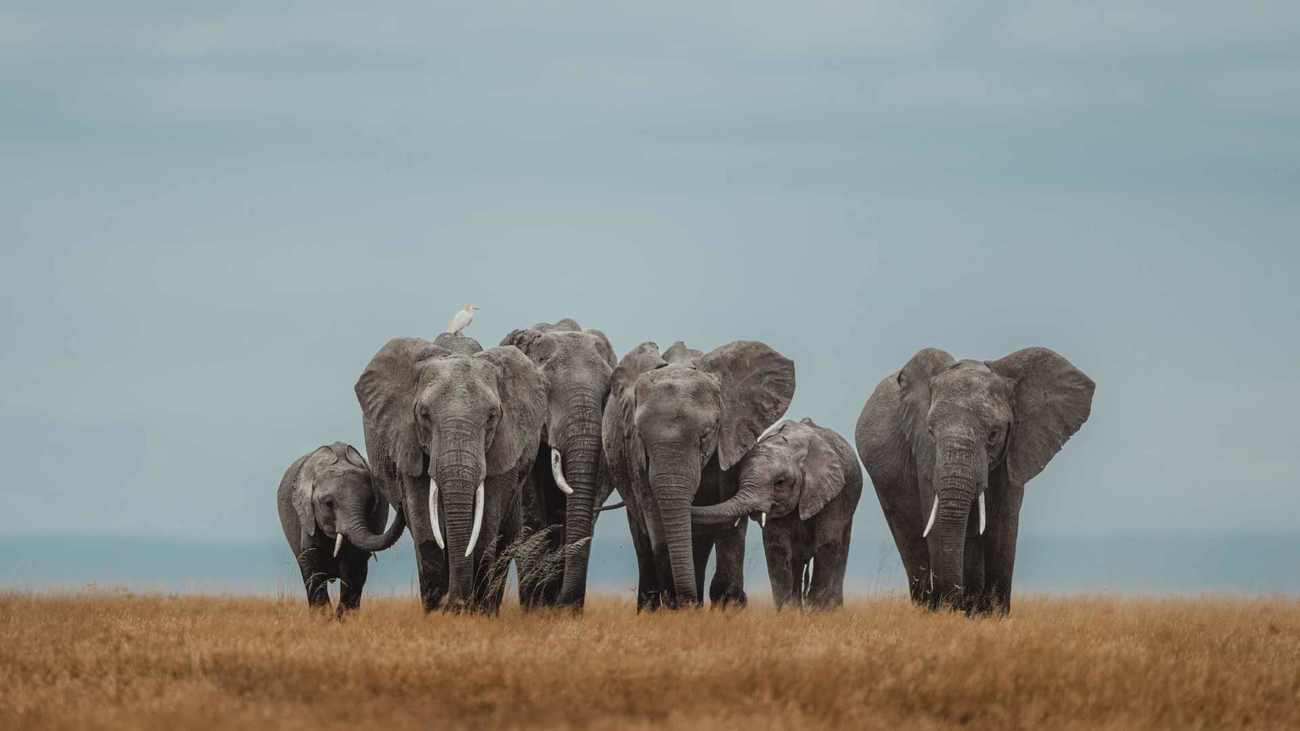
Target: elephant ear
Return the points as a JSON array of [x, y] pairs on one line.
[[1051, 400], [521, 386], [524, 339], [602, 345], [914, 394], [823, 472], [386, 391], [305, 485], [757, 384], [617, 430]]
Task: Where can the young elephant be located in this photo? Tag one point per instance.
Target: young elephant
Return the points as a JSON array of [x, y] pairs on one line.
[[949, 446], [333, 519], [802, 481]]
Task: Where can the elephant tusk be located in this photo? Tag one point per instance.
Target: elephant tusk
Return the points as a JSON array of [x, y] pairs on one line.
[[934, 511], [478, 521], [762, 520], [338, 543], [433, 513], [982, 519], [737, 523], [557, 471]]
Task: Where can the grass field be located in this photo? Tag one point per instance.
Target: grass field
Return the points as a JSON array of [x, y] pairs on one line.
[[126, 661]]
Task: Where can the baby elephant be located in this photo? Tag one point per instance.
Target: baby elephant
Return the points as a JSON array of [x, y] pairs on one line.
[[802, 482], [333, 518]]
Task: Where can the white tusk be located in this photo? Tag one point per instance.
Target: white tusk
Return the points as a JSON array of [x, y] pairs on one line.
[[811, 566], [433, 513], [737, 523], [934, 511], [762, 520], [478, 520], [557, 471], [982, 513], [338, 543]]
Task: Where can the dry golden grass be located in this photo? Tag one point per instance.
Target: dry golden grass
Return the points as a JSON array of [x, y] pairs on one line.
[[126, 661]]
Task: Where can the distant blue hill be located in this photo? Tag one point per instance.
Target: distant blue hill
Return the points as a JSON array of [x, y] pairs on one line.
[[1256, 564]]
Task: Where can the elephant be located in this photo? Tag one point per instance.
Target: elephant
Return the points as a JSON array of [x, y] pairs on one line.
[[333, 518], [566, 485], [804, 481], [949, 446], [452, 430], [676, 424]]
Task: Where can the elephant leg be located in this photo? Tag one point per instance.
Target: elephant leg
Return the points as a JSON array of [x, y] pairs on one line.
[[728, 585], [497, 569], [973, 570], [353, 568], [1003, 505], [901, 504], [647, 593], [780, 566], [702, 546], [828, 563], [315, 575], [431, 565]]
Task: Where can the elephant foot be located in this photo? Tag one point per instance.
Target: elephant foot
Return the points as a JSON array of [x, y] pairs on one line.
[[729, 598], [649, 601]]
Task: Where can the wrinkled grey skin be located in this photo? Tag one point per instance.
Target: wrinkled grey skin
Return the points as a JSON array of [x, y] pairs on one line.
[[675, 425], [578, 365], [323, 493], [955, 429], [807, 479], [451, 411]]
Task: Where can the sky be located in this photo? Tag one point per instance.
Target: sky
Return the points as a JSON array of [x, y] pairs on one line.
[[214, 216]]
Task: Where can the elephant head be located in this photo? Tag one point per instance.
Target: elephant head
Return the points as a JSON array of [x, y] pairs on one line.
[[793, 467], [671, 414], [966, 423], [334, 492], [454, 414], [578, 365]]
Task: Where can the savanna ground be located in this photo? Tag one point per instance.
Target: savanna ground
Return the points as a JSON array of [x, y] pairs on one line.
[[117, 660]]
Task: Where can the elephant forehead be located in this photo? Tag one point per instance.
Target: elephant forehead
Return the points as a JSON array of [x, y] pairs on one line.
[[565, 348], [458, 370], [677, 380]]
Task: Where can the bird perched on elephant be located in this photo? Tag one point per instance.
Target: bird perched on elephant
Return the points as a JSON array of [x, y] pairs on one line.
[[566, 485], [802, 482], [949, 446], [451, 431], [333, 518], [676, 422]]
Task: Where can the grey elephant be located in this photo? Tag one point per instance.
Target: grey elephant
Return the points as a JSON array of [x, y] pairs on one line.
[[333, 518], [949, 446], [675, 424], [565, 486], [802, 481], [451, 431]]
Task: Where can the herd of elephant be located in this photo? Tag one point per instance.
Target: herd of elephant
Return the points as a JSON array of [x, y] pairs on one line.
[[479, 451]]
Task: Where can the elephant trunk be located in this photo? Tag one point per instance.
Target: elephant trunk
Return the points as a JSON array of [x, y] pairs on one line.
[[354, 526], [960, 476], [750, 498], [458, 475], [674, 478], [580, 445]]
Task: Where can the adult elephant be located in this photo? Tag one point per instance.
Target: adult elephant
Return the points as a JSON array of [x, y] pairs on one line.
[[451, 430], [676, 423], [949, 446], [802, 481], [565, 486]]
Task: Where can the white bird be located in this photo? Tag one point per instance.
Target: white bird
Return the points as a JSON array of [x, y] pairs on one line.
[[461, 319]]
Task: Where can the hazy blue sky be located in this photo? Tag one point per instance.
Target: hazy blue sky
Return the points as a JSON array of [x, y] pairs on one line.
[[213, 218]]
